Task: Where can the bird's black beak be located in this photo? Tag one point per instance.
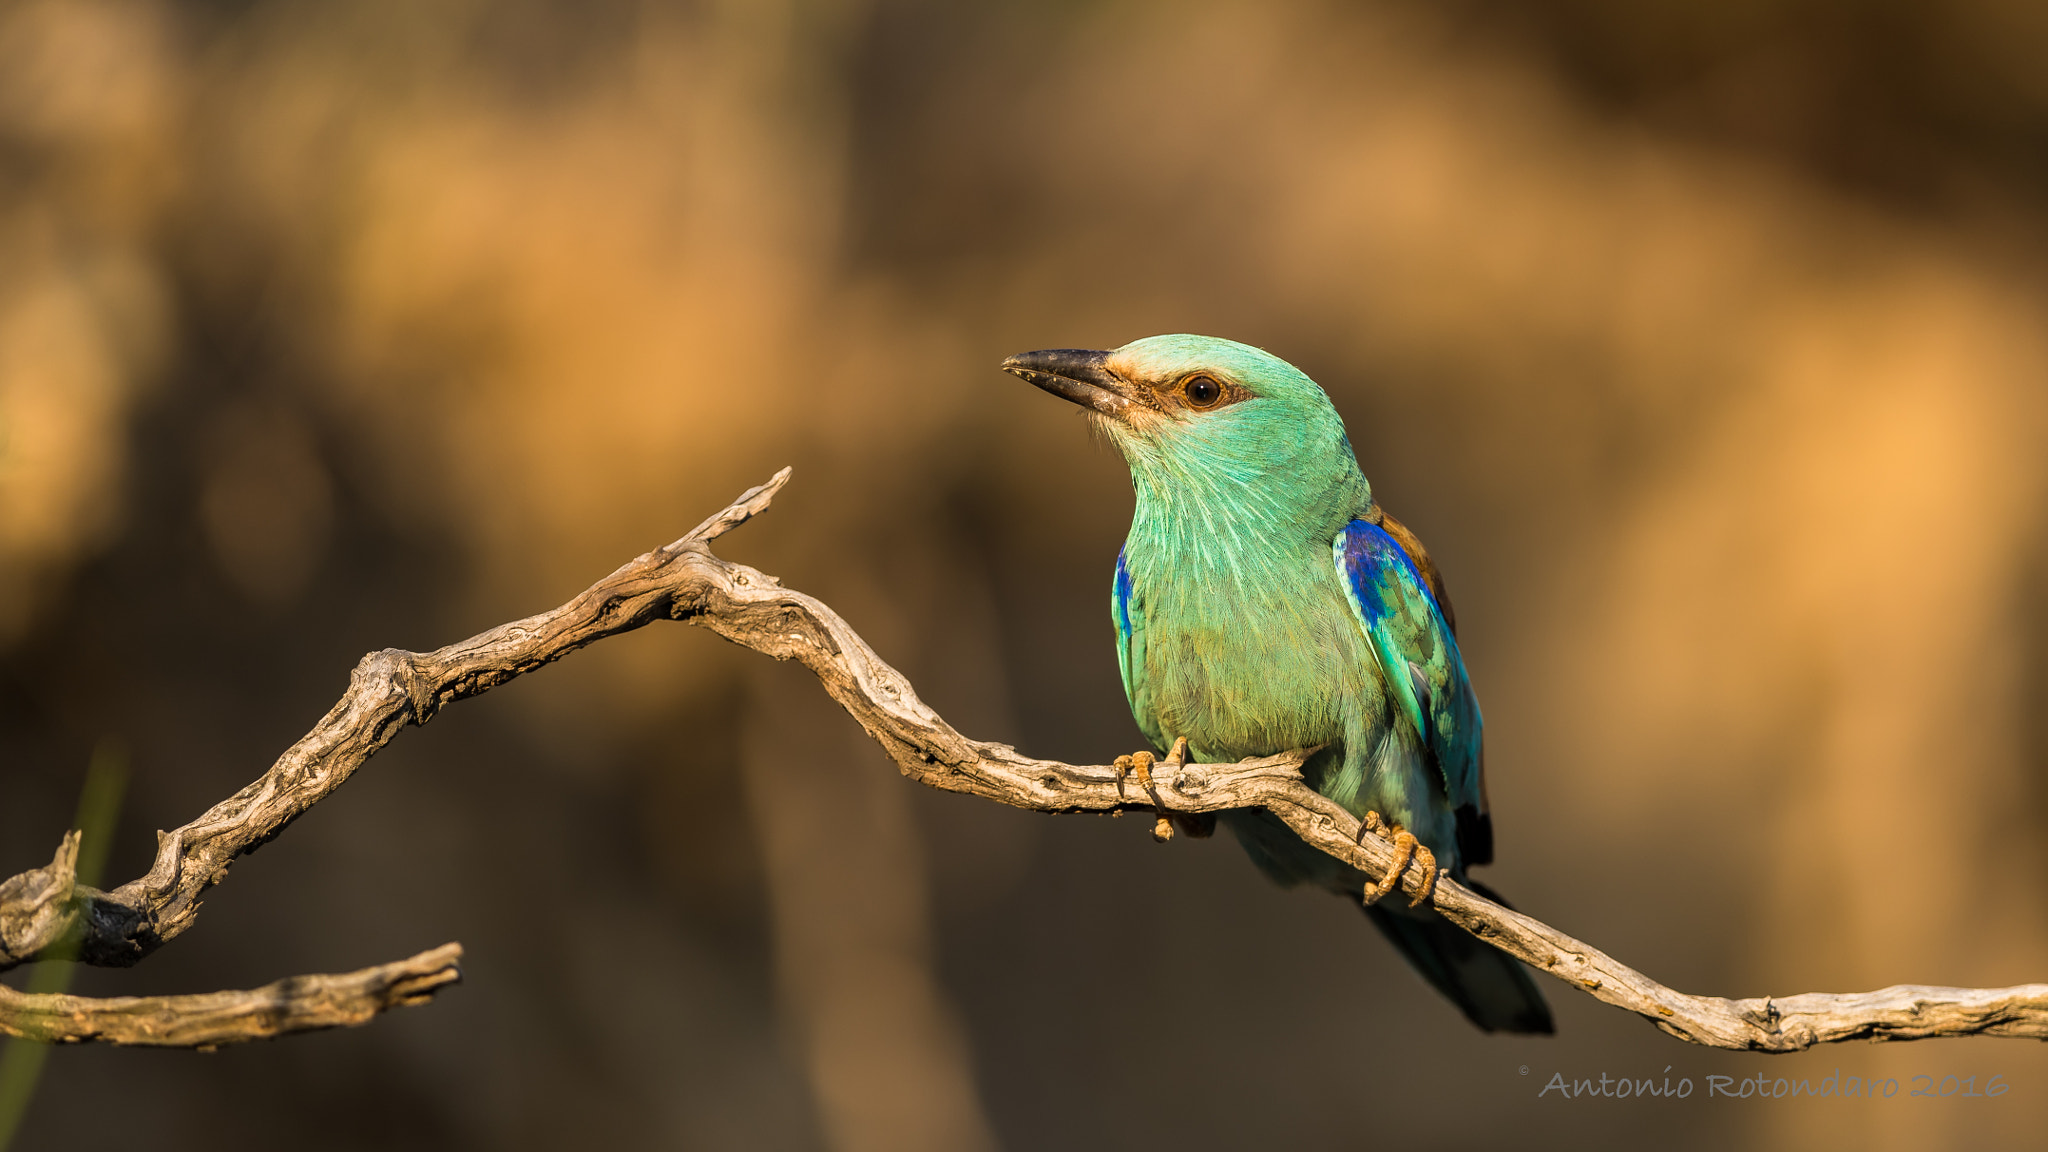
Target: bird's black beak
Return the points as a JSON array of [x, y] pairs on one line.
[[1075, 374]]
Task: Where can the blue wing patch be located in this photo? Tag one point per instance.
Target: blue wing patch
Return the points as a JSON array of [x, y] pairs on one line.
[[1417, 655], [1127, 609], [1120, 598]]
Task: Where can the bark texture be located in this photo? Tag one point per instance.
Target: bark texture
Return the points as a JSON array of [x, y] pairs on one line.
[[294, 1004]]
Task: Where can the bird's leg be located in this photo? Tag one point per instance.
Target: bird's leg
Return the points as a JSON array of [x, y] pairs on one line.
[[1425, 860], [1408, 851], [1139, 764], [1200, 825]]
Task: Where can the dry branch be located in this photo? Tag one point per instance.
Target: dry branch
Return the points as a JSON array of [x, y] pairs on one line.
[[684, 581], [294, 1004]]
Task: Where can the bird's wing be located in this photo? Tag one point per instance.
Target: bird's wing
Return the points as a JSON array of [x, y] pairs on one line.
[[1416, 652], [1412, 545], [1127, 609]]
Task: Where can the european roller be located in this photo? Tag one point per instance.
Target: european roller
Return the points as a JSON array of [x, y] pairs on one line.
[[1263, 602]]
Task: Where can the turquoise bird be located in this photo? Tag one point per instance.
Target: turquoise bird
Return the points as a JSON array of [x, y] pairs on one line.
[[1264, 602]]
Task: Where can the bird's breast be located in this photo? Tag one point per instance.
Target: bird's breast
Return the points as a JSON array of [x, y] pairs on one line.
[[1248, 664]]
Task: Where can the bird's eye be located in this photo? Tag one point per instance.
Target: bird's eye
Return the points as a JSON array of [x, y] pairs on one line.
[[1201, 391]]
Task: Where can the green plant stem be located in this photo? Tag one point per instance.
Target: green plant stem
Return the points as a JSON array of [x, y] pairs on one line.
[[99, 804]]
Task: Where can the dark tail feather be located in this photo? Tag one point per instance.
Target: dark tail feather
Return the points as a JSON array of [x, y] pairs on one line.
[[1489, 986]]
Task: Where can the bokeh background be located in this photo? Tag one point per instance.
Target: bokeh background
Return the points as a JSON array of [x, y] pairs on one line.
[[1703, 342]]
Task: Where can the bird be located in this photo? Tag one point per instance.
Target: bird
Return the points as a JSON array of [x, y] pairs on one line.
[[1264, 602]]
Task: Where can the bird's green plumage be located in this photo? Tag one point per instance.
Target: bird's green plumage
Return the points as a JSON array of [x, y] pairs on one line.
[[1261, 607], [1239, 631]]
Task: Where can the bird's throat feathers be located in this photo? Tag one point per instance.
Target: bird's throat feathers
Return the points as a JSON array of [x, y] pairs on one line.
[[1236, 492]]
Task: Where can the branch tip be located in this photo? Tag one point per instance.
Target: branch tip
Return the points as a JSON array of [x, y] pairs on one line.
[[750, 504]]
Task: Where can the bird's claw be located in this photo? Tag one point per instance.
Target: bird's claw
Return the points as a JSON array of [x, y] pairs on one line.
[[1408, 852], [1139, 764], [1371, 823]]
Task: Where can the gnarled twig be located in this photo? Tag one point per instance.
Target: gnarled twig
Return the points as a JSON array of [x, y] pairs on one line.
[[684, 581]]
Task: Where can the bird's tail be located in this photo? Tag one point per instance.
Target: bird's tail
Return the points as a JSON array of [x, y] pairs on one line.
[[1492, 988]]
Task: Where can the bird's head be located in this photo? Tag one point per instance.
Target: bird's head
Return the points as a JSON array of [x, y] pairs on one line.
[[1212, 415]]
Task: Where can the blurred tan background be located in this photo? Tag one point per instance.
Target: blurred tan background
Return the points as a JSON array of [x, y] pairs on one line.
[[1704, 344]]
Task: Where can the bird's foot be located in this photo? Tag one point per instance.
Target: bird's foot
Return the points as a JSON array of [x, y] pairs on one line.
[[1139, 764], [1408, 853]]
